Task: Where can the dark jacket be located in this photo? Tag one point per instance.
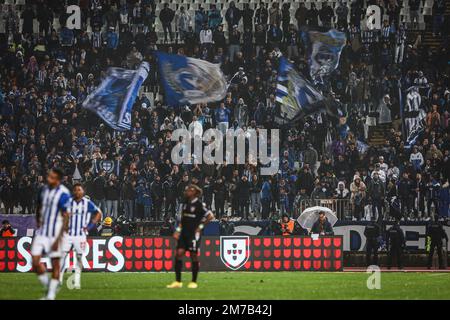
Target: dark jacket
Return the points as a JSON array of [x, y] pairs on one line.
[[436, 232], [395, 237], [376, 189], [166, 16], [322, 227]]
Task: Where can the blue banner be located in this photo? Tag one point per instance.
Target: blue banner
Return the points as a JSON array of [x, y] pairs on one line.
[[114, 98], [190, 81]]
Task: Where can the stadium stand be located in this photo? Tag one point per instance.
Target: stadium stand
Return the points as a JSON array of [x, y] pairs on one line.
[[47, 71]]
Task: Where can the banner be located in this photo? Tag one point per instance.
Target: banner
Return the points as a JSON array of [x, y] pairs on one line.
[[114, 98], [298, 97], [231, 253], [190, 81], [412, 113], [325, 48]]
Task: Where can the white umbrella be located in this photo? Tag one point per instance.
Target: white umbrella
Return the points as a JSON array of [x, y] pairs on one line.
[[310, 215]]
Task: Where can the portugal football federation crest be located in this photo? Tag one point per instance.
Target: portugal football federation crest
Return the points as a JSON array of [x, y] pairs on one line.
[[234, 251]]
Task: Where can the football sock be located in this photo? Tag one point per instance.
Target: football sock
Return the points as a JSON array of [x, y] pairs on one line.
[[51, 295], [62, 270], [195, 268], [178, 267], [78, 268], [43, 279]]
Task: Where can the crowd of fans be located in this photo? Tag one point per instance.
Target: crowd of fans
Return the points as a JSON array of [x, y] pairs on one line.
[[46, 76]]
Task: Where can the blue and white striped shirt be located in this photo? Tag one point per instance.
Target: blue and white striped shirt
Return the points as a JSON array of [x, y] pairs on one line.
[[53, 203], [80, 215]]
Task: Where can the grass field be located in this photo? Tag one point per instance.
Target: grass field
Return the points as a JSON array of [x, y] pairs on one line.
[[238, 285]]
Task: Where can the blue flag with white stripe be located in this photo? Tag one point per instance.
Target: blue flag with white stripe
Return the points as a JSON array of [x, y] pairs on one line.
[[298, 97], [325, 51], [114, 98], [190, 81]]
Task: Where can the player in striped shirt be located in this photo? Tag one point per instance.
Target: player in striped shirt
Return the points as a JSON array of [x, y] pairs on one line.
[[84, 215], [52, 219]]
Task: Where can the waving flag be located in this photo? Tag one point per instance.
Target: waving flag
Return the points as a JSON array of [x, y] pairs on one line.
[[114, 98], [298, 97], [412, 113], [190, 81], [325, 48]]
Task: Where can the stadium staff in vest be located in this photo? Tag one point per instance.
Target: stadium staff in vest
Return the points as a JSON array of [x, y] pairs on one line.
[[395, 242], [6, 231], [322, 226], [435, 234], [287, 225], [107, 228]]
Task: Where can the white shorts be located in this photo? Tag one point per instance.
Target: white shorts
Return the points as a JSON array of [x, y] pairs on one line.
[[42, 246], [76, 243]]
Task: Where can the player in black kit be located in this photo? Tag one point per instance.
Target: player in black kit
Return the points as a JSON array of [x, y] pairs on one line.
[[194, 217]]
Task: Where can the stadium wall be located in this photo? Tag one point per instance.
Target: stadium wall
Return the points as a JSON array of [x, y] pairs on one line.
[[351, 231], [155, 254]]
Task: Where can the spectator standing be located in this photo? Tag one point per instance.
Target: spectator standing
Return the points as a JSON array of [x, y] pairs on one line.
[[266, 199], [301, 15], [234, 42], [376, 194], [214, 17], [183, 22], [112, 195], [261, 15], [358, 195], [232, 16], [247, 17], [166, 16]]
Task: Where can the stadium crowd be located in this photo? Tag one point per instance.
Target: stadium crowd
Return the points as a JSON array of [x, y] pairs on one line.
[[46, 76]]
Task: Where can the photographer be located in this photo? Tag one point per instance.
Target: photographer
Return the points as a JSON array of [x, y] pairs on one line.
[[6, 231], [287, 225]]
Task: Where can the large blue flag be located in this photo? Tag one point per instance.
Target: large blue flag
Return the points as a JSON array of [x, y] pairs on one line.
[[114, 98], [298, 97], [325, 50], [190, 81]]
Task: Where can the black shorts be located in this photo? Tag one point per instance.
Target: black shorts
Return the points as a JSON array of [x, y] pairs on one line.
[[189, 242]]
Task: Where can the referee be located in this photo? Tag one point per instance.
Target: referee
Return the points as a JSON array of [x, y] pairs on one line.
[[194, 217]]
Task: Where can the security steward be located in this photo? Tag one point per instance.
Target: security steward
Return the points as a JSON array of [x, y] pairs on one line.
[[395, 241], [107, 228], [436, 233], [372, 233]]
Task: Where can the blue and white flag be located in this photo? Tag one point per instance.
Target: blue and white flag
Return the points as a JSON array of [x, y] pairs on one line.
[[114, 98], [412, 113], [190, 81], [325, 48], [297, 96], [414, 127]]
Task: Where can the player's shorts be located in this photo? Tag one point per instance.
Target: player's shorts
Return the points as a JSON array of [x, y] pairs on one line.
[[42, 246], [189, 242], [76, 243]]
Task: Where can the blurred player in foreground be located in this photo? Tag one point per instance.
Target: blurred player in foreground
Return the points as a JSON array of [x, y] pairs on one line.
[[84, 215], [52, 219], [194, 217]]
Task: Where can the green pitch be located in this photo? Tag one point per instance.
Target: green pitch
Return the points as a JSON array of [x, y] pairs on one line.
[[238, 285]]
